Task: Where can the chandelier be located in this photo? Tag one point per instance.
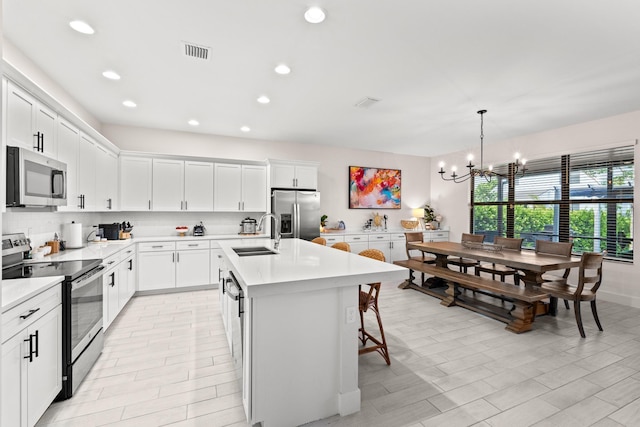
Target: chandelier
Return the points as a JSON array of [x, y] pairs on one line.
[[488, 173]]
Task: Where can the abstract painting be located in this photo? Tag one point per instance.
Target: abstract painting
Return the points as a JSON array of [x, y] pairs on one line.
[[373, 188]]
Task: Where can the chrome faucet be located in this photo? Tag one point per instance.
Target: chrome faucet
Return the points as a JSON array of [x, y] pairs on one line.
[[276, 230]]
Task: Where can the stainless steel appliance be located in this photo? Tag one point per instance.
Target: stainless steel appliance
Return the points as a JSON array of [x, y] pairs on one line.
[[236, 317], [198, 229], [248, 226], [34, 179], [82, 337], [299, 213]]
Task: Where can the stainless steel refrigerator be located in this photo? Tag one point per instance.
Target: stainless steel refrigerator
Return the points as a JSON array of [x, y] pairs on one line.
[[298, 211]]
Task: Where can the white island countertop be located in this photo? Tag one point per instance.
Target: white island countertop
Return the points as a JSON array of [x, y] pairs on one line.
[[301, 266]]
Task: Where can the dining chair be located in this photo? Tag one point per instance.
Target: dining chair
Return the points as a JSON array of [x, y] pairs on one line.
[[368, 301], [555, 248], [343, 246], [590, 272], [417, 237], [464, 263], [320, 240], [509, 244]]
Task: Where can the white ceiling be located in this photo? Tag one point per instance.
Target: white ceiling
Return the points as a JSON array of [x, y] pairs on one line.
[[533, 65]]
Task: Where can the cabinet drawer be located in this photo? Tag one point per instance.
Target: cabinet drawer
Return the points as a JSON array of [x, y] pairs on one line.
[[192, 244], [379, 237], [42, 303], [356, 238], [398, 236], [111, 261], [333, 239], [156, 246]]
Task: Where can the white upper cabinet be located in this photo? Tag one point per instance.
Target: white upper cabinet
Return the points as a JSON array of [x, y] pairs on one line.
[[168, 185], [240, 188], [106, 180], [29, 124], [86, 174], [198, 186], [135, 183], [68, 145], [297, 175]]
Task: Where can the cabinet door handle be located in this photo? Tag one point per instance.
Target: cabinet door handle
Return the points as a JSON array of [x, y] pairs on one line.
[[109, 204], [130, 265], [37, 342], [185, 206], [193, 245], [113, 279], [149, 204], [37, 146], [181, 205], [178, 257], [26, 316], [156, 246], [173, 257], [31, 352]]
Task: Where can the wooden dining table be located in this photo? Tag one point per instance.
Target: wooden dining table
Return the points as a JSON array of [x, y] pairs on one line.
[[532, 265]]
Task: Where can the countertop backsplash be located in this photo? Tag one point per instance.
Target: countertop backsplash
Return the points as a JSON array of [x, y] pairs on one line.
[[41, 226]]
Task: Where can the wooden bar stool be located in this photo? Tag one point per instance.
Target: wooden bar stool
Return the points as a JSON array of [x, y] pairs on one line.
[[343, 246], [369, 302], [320, 240]]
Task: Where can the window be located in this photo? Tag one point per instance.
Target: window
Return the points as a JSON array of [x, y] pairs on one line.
[[584, 198]]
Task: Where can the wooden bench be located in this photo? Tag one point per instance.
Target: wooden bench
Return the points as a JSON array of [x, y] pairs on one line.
[[519, 319]]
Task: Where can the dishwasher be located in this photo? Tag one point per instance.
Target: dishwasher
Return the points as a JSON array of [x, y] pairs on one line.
[[236, 318]]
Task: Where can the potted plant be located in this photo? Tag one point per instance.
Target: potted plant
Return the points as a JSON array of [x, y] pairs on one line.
[[429, 217], [323, 222]]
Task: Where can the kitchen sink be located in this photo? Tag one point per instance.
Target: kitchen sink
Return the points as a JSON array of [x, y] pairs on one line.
[[253, 251]]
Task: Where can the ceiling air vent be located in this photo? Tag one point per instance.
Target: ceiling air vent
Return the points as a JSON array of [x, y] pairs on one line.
[[193, 50], [366, 102]]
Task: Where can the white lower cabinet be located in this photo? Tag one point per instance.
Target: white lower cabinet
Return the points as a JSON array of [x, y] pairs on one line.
[[357, 243], [167, 265], [392, 244], [192, 264], [118, 284], [31, 358]]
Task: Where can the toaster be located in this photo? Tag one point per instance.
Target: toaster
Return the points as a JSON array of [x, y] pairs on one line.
[[198, 230], [110, 231]]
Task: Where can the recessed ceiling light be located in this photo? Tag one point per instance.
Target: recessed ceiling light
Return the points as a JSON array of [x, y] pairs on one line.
[[111, 75], [314, 15], [81, 27], [193, 122], [245, 129], [129, 103], [263, 99], [282, 69]]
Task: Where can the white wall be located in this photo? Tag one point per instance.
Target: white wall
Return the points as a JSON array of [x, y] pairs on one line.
[[619, 284]]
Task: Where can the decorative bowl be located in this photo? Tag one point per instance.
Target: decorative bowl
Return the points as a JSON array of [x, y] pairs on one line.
[[409, 224], [489, 247], [182, 230]]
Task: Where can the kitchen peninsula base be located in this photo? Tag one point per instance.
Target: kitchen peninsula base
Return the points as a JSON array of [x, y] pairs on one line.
[[300, 355]]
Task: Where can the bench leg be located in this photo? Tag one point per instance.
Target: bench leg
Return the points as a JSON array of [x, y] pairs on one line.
[[523, 315], [452, 291], [408, 282]]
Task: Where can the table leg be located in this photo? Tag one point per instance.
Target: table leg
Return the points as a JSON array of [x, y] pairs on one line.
[[452, 292], [523, 315], [408, 282]]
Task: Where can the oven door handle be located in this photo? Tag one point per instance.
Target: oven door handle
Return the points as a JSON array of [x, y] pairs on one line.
[[78, 283]]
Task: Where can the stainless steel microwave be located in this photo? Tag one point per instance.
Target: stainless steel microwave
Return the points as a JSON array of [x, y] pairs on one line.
[[34, 179]]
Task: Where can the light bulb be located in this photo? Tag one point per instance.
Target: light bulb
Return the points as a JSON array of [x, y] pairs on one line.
[[470, 157], [441, 165], [454, 168]]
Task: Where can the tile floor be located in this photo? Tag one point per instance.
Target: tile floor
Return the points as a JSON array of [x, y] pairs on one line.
[[166, 362]]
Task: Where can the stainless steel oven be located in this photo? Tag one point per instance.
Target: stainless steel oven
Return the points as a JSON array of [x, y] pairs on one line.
[[82, 321]]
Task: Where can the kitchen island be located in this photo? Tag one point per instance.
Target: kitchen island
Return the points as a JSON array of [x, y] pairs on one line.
[[299, 330]]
